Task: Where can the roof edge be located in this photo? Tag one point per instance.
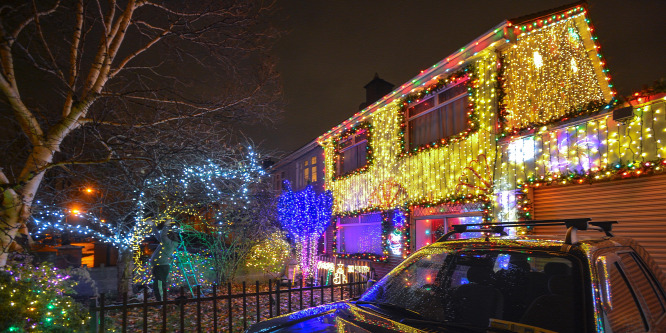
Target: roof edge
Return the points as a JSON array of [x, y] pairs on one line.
[[410, 85], [543, 13]]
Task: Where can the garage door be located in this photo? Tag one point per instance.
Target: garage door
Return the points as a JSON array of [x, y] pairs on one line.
[[638, 204]]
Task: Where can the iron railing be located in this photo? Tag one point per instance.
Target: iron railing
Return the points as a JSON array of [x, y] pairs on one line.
[[277, 298]]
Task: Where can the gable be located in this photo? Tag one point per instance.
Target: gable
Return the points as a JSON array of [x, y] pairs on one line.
[[552, 72]]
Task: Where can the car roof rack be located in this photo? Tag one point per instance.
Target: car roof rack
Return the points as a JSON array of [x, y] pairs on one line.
[[572, 225]]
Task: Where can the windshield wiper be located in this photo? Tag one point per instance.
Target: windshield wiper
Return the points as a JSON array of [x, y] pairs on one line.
[[448, 324], [392, 307], [438, 323]]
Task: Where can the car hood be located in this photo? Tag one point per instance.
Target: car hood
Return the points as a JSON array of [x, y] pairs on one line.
[[334, 317]]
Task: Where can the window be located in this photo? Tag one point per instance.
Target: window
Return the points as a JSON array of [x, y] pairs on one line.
[[439, 117], [352, 153], [428, 231], [277, 181], [313, 169], [310, 170], [621, 303], [645, 284], [469, 288], [360, 234]]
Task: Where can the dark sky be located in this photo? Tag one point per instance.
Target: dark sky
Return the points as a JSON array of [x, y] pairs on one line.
[[331, 49]]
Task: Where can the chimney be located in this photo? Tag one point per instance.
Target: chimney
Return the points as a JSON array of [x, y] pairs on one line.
[[375, 90]]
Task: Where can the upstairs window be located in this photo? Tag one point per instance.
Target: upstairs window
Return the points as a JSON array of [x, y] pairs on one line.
[[352, 153], [310, 170], [441, 116]]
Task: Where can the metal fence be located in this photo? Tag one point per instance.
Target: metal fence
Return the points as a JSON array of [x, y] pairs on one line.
[[271, 299]]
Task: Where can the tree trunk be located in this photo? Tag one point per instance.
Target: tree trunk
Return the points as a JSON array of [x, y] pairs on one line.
[[125, 270], [16, 204]]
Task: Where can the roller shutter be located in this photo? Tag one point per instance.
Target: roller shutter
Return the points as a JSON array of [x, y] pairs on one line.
[[638, 204]]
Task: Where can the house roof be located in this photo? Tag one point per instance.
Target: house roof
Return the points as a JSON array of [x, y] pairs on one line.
[[495, 38], [295, 155]]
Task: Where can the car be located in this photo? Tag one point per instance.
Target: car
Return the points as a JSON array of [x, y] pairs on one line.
[[502, 283]]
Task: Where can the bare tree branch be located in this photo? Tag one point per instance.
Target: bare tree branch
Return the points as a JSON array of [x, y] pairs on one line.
[[129, 84]]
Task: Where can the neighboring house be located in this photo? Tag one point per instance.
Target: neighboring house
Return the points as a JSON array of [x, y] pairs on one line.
[[516, 124], [303, 167]]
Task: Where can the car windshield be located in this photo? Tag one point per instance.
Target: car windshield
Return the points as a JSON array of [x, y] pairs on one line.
[[483, 288]]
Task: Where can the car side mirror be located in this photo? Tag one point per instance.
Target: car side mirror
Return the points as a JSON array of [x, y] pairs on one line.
[[370, 283]]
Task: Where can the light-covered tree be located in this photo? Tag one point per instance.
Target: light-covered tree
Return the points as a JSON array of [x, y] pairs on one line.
[[222, 205], [305, 216], [271, 254]]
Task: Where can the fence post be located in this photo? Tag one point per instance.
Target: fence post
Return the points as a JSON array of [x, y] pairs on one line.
[[332, 293], [321, 290], [289, 294], [182, 309], [231, 322], [277, 297], [145, 310], [164, 307], [124, 311], [256, 288], [270, 298], [214, 307], [301, 292], [199, 308], [101, 313], [244, 308], [312, 291], [94, 321]]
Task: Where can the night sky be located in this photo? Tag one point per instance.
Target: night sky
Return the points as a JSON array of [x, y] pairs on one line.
[[331, 49]]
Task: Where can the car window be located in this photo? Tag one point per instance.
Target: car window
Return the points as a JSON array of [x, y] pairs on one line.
[[644, 283], [482, 286], [411, 284], [621, 303]]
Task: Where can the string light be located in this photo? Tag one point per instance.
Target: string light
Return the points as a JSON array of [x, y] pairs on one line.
[[421, 176], [34, 299], [548, 74], [552, 72], [217, 184], [270, 255]]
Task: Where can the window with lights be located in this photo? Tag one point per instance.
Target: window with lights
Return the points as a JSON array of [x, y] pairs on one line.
[[352, 153], [443, 115], [360, 234]]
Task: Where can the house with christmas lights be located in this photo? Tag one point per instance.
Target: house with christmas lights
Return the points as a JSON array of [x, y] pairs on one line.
[[520, 123]]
